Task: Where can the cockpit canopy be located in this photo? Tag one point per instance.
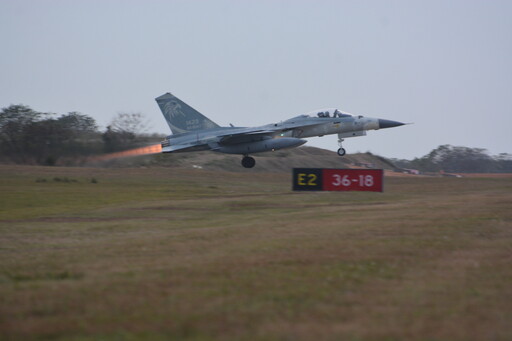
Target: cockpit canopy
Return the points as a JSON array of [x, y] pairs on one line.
[[329, 113], [332, 113]]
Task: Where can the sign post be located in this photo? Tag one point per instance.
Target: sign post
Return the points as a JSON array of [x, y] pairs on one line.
[[326, 179]]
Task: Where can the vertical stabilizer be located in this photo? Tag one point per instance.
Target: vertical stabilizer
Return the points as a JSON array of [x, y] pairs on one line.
[[181, 117]]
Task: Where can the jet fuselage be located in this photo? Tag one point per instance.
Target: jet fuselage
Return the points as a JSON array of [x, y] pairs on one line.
[[194, 132]]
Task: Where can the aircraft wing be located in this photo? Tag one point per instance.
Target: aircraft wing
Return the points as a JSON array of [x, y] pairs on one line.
[[243, 137], [212, 143], [257, 135]]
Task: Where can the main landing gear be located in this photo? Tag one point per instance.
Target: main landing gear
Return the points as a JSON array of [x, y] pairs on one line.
[[248, 162], [341, 151]]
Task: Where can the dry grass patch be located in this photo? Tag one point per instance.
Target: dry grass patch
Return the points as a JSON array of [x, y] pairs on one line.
[[197, 255]]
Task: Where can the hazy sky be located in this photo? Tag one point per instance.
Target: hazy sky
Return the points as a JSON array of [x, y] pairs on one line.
[[444, 65]]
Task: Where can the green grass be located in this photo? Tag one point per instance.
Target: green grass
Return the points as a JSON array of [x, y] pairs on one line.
[[159, 254]]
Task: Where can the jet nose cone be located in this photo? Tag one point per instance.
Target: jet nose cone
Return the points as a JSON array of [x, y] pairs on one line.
[[389, 124]]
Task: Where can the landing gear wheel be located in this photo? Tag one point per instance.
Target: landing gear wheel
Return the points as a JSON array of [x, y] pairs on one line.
[[341, 151], [248, 162]]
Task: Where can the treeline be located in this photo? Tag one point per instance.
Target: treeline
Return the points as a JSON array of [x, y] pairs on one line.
[[31, 137], [452, 159]]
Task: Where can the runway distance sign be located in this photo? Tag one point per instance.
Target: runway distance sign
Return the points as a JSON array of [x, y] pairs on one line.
[[327, 179]]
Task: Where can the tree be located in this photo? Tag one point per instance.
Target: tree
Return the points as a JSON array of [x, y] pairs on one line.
[[30, 136], [81, 135], [456, 159], [504, 162], [134, 123], [14, 122], [117, 140], [45, 141], [78, 123], [125, 131]]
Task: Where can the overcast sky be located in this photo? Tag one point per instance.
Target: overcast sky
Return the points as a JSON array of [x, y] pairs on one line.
[[444, 65]]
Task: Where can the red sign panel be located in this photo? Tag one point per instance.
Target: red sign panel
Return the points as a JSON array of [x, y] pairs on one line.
[[320, 179], [353, 180]]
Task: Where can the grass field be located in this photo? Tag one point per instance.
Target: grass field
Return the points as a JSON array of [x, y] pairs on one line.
[[159, 254]]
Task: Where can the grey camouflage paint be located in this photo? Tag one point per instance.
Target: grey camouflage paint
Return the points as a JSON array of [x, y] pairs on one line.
[[181, 117], [194, 132]]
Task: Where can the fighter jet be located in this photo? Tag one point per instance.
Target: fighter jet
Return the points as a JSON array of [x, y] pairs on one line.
[[191, 131]]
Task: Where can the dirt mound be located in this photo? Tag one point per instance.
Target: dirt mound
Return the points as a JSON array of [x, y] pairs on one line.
[[279, 161]]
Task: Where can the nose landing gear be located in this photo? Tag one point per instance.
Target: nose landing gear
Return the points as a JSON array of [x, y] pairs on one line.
[[341, 151], [248, 162]]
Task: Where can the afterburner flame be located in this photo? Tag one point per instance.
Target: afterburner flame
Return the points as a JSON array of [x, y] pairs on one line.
[[153, 149]]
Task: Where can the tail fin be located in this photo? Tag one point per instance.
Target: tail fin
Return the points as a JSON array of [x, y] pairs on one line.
[[181, 117]]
